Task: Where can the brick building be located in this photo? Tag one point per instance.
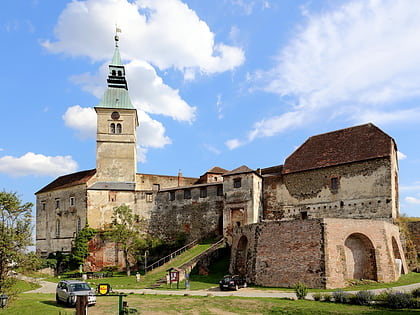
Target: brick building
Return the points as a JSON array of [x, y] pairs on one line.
[[325, 216]]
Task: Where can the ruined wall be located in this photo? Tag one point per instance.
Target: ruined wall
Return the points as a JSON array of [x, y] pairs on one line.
[[102, 254], [279, 254], [189, 212], [364, 190], [346, 240], [60, 214], [414, 228]]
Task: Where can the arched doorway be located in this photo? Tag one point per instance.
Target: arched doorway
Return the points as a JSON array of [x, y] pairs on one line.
[[360, 257], [241, 256]]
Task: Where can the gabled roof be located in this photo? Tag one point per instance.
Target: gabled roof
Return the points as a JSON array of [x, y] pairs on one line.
[[240, 170], [68, 181], [217, 170], [343, 146]]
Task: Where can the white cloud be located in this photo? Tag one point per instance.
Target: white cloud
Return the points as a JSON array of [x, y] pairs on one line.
[[184, 41], [151, 133], [37, 164], [233, 143], [358, 63], [412, 200], [401, 156], [81, 119]]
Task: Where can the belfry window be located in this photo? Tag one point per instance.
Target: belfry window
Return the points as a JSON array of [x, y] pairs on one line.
[[119, 73], [119, 128], [112, 128], [114, 73]]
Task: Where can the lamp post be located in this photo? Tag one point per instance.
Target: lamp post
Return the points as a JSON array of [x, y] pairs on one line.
[[145, 261], [3, 300]]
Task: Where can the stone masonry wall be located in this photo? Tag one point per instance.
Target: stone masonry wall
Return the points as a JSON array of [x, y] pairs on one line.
[[364, 192], [279, 254]]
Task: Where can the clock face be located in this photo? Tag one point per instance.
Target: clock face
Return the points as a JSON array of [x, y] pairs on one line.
[[115, 115]]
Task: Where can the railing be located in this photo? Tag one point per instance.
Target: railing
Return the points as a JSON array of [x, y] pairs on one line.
[[167, 258], [198, 257]]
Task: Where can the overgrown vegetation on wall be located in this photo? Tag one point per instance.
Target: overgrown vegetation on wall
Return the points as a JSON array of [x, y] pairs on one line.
[[407, 242]]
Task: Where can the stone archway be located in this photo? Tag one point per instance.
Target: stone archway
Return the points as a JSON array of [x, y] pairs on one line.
[[397, 256], [241, 256], [360, 257]]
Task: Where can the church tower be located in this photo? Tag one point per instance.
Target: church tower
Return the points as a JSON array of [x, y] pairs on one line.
[[116, 131]]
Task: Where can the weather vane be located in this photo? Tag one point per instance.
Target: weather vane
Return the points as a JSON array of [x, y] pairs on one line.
[[117, 30]]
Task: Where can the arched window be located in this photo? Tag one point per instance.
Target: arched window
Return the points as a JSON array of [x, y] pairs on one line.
[[119, 128], [112, 128], [57, 228], [114, 72], [119, 73]]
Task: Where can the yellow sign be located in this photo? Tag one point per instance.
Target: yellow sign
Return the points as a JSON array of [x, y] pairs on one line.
[[103, 289]]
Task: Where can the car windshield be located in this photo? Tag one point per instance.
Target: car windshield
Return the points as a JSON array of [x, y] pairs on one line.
[[79, 287]]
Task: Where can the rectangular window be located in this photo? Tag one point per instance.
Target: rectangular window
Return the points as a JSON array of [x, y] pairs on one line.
[[149, 197], [203, 192], [172, 195], [237, 183], [72, 201], [220, 190], [335, 183], [187, 194], [43, 206], [57, 203], [156, 187]]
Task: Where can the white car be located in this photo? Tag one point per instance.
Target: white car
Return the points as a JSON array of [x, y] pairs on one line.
[[68, 290]]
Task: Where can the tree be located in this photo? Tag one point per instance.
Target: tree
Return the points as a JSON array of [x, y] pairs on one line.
[[125, 231], [80, 249], [15, 233]]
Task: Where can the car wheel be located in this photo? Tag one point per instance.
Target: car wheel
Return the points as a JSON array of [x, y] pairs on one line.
[[71, 302], [236, 287]]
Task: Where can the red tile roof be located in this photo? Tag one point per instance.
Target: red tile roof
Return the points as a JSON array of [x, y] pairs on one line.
[[68, 180], [340, 147]]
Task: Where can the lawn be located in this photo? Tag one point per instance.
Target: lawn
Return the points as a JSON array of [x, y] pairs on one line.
[[157, 304]]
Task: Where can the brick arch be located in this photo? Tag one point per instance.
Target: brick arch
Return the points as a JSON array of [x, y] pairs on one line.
[[360, 257], [241, 256]]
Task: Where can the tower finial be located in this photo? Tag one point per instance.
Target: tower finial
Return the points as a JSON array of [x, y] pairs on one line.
[[116, 37]]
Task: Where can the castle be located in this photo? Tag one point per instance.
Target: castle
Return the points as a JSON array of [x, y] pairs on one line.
[[326, 216]]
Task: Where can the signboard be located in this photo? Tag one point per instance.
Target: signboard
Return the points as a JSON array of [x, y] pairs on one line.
[[174, 276], [104, 288]]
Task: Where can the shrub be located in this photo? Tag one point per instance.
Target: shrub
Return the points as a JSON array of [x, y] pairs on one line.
[[301, 290], [416, 292], [364, 297], [327, 297], [341, 297], [317, 296], [399, 300]]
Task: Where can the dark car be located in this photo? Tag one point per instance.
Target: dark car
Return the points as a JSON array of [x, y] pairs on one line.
[[68, 290], [230, 282]]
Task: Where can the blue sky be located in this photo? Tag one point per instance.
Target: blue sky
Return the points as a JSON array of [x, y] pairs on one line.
[[216, 83]]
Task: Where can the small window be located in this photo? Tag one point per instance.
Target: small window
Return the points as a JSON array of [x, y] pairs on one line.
[[57, 228], [114, 72], [57, 203], [187, 194], [43, 205], [304, 215], [112, 128], [220, 190], [72, 201], [172, 195], [112, 196], [335, 183], [119, 128], [237, 183], [203, 192], [156, 187], [149, 197], [119, 73], [215, 179]]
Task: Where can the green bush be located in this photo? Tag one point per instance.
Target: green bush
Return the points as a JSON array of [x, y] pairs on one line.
[[416, 292], [399, 300], [301, 290], [341, 297], [364, 297], [317, 296], [327, 297]]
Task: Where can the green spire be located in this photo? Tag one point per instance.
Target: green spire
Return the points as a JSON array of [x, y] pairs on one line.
[[116, 95]]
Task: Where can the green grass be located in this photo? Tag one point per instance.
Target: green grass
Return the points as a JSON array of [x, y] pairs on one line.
[[153, 304]]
